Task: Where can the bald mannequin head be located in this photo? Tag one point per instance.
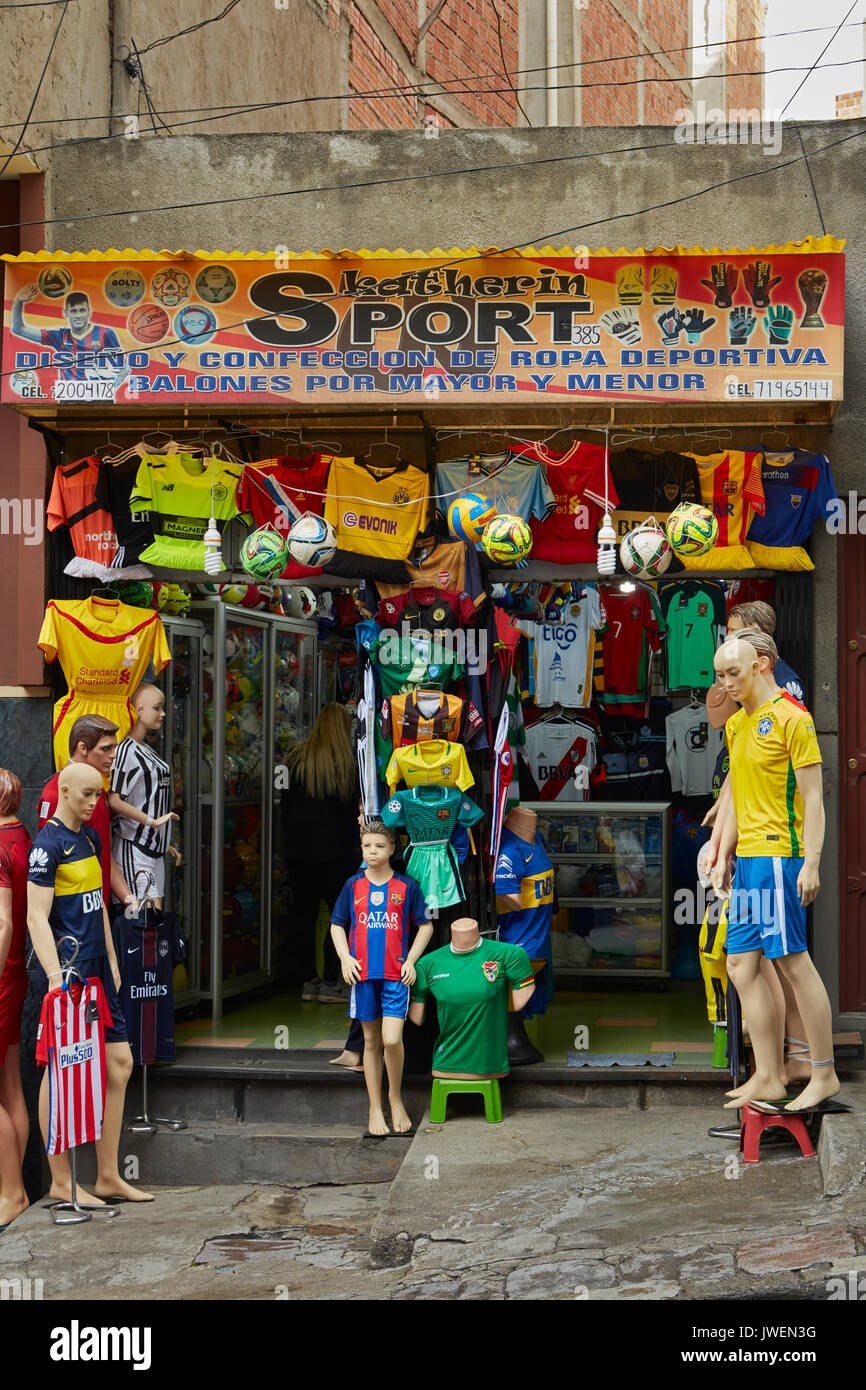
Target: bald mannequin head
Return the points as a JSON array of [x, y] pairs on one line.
[[465, 935], [79, 787], [148, 701], [738, 669]]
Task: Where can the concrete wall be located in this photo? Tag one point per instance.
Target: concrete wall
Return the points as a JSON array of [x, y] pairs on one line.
[[597, 200]]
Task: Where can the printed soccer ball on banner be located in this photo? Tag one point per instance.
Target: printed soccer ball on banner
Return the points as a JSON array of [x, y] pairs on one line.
[[506, 539], [312, 540], [645, 552], [263, 553], [692, 529], [172, 599], [468, 515]]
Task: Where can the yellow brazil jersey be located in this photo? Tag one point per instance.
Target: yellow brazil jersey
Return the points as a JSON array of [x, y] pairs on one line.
[[376, 511], [766, 749], [731, 489], [434, 763], [104, 648]]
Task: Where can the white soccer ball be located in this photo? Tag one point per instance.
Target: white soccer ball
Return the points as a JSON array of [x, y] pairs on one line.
[[646, 551], [312, 540]]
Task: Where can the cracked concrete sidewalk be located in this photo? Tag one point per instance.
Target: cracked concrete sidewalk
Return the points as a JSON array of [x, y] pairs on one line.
[[557, 1203]]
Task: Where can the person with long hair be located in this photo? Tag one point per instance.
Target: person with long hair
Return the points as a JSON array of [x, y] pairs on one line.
[[321, 843], [14, 1124]]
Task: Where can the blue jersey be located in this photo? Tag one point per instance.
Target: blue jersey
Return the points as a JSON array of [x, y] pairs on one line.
[[68, 861], [797, 487], [788, 680], [147, 955], [524, 870], [520, 489], [376, 918], [79, 362]]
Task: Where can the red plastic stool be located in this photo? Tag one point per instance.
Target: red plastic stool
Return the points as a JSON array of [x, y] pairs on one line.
[[754, 1124]]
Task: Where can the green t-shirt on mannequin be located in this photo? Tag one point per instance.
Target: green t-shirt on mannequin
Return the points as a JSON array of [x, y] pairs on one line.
[[471, 992]]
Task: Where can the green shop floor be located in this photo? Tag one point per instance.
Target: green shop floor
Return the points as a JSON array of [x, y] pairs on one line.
[[617, 1019]]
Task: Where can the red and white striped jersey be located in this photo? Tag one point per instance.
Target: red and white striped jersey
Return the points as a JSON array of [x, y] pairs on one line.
[[71, 1044]]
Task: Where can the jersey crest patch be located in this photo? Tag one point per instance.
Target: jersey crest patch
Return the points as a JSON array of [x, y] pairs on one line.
[[491, 970], [764, 726]]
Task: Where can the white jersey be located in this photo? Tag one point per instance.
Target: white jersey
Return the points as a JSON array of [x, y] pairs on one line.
[[561, 754], [692, 747], [143, 779], [564, 652]]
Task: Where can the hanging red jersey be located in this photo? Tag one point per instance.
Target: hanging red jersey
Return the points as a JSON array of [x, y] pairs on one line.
[[577, 478], [749, 591], [634, 627], [70, 1041], [279, 491], [731, 488], [73, 503]]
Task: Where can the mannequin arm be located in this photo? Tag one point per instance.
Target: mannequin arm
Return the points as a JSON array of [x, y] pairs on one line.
[[812, 791], [508, 902], [419, 946], [725, 847], [125, 808], [522, 996], [39, 900], [417, 1012]]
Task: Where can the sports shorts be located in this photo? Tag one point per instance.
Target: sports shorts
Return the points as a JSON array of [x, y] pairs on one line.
[[144, 874], [764, 911], [97, 968], [372, 999], [13, 992]]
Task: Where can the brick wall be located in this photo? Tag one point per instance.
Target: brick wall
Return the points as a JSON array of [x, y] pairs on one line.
[[849, 106], [371, 68], [464, 40], [744, 59]]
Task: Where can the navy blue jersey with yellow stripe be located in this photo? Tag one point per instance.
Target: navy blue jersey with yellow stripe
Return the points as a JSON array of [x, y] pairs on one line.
[[524, 869], [68, 861]]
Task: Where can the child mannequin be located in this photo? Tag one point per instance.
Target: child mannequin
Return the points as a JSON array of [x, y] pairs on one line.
[[377, 907]]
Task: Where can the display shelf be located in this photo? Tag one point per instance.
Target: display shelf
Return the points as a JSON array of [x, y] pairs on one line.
[[620, 900], [597, 858]]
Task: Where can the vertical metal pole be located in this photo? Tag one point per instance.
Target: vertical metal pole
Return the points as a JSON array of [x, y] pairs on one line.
[[218, 812]]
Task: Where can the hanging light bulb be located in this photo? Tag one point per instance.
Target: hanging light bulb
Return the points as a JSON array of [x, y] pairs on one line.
[[606, 547], [213, 560]]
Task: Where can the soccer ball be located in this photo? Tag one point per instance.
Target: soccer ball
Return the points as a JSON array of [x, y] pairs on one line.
[[645, 551], [232, 593], [506, 539], [137, 592], [468, 515], [312, 541], [172, 599], [692, 530], [263, 553]]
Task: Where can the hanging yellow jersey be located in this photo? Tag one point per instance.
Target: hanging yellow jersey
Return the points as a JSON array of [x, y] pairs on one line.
[[181, 492], [376, 511], [713, 960], [433, 763], [732, 490], [766, 749]]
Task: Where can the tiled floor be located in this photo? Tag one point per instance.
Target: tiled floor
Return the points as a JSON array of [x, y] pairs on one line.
[[617, 1020]]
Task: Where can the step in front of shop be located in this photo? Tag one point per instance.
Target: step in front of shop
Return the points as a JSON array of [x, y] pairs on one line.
[[209, 1153]]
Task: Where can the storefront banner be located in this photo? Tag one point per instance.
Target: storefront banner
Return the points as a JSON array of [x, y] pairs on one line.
[[665, 325]]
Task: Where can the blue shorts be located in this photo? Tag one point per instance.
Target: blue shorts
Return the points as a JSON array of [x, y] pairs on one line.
[[99, 969], [372, 999], [764, 912]]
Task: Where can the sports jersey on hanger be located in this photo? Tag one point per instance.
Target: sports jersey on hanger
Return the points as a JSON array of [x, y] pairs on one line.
[[798, 488], [524, 870], [436, 610], [376, 918], [520, 489], [694, 611], [279, 491], [731, 489], [104, 648], [74, 503], [634, 766], [651, 484], [634, 630], [561, 755], [376, 511], [68, 861], [567, 535], [692, 746], [148, 949], [406, 719], [767, 747], [365, 746], [503, 776], [563, 652], [406, 661], [114, 487], [439, 564], [430, 815], [181, 491], [433, 763], [70, 1042], [143, 779], [471, 990], [748, 591]]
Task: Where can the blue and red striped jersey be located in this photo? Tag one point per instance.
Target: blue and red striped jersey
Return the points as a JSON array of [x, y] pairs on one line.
[[376, 918]]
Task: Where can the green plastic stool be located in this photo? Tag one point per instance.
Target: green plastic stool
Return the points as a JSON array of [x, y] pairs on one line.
[[442, 1089], [720, 1046]]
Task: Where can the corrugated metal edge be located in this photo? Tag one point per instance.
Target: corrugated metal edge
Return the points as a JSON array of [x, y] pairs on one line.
[[809, 245]]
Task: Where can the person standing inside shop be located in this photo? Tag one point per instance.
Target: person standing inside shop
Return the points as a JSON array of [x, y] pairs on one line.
[[14, 1123], [321, 844]]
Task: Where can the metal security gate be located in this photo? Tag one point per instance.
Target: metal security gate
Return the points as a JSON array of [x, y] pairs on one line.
[[852, 773]]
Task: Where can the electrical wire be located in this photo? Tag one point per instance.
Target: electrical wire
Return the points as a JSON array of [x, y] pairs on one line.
[[818, 59], [84, 358], [504, 65], [421, 87], [193, 28], [17, 144]]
